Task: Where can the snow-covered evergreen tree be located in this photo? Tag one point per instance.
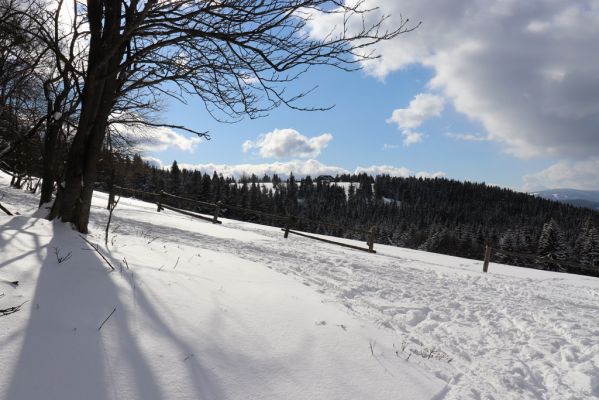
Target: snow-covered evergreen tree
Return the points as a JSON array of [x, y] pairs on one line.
[[590, 248], [175, 178], [552, 245]]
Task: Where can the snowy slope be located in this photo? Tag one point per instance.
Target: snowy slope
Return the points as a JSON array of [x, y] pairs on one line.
[[578, 198], [192, 320], [569, 194], [237, 312]]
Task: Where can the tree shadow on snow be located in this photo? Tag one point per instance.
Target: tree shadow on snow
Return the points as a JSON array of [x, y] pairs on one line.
[[65, 356]]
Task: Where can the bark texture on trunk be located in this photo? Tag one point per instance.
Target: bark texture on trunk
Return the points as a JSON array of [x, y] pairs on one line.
[[49, 166], [73, 200]]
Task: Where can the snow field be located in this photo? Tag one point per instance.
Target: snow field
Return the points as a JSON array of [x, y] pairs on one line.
[[191, 321], [221, 325]]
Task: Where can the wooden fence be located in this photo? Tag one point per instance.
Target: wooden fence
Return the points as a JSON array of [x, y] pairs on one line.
[[559, 264], [288, 222], [215, 209]]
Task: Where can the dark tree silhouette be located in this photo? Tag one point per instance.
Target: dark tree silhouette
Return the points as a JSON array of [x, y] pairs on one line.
[[238, 56]]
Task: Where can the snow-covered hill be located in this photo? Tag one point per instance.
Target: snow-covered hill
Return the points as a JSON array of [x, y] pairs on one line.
[[234, 311], [579, 198]]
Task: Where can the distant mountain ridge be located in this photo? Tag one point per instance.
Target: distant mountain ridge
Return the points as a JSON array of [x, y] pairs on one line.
[[575, 197]]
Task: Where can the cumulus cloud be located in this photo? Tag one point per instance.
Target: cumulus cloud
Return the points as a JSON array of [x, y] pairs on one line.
[[396, 171], [527, 70], [468, 137], [300, 168], [582, 175], [153, 161], [160, 139], [149, 138], [421, 108], [384, 170], [387, 146], [288, 142]]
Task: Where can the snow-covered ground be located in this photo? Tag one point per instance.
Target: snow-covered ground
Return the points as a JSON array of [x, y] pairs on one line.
[[234, 311]]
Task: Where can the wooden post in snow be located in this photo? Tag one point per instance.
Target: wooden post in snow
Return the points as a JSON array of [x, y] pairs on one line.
[[487, 258], [111, 191], [287, 224], [371, 240], [5, 210], [216, 211], [160, 198]]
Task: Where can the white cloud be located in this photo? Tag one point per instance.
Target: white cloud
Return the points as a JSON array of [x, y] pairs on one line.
[[422, 107], [424, 174], [384, 170], [153, 161], [410, 137], [527, 70], [299, 168], [565, 174], [468, 137], [149, 138], [160, 139], [396, 171], [390, 146], [288, 142]]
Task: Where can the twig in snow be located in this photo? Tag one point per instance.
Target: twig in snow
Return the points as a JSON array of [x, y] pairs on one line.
[[103, 322], [5, 210], [112, 207], [60, 258], [126, 264], [98, 251], [177, 262], [12, 283], [372, 344], [11, 310], [188, 357], [1, 295]]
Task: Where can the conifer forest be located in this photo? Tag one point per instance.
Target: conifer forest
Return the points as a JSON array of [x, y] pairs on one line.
[[436, 215]]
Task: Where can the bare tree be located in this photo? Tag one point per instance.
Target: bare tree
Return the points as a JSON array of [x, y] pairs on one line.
[[21, 99], [237, 55]]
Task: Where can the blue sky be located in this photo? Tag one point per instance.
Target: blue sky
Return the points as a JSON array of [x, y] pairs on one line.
[[470, 85]]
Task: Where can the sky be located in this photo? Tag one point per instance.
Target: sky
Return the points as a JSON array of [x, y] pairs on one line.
[[498, 91]]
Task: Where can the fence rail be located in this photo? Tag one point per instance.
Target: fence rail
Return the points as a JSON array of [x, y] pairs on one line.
[[217, 207], [351, 246], [122, 189], [291, 221], [549, 260], [190, 214], [538, 259]]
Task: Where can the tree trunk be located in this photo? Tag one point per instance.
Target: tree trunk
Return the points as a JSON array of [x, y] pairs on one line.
[[74, 196], [49, 165], [73, 200], [111, 182]]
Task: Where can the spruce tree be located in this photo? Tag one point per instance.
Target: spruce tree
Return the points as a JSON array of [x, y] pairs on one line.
[[552, 245], [175, 182]]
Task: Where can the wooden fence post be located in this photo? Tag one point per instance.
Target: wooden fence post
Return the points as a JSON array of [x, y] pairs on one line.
[[371, 240], [487, 258], [110, 197], [160, 201], [5, 210], [216, 211], [287, 224]]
